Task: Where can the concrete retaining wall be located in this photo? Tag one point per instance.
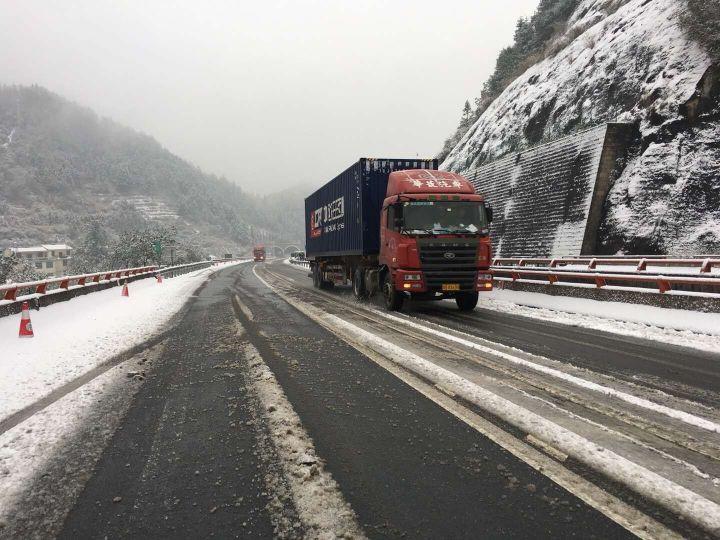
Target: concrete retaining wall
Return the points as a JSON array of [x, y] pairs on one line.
[[549, 199]]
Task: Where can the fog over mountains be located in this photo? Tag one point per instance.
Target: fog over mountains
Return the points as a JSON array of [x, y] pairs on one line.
[[61, 164]]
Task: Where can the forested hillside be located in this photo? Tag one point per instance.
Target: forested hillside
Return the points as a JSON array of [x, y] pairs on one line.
[[61, 165]]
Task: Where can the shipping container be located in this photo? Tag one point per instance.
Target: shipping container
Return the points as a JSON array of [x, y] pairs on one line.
[[343, 217]]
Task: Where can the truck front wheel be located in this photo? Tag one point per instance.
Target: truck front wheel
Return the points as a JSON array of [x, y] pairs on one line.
[[466, 301], [393, 298]]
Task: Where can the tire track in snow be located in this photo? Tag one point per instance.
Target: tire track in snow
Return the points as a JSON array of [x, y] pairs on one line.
[[319, 503]]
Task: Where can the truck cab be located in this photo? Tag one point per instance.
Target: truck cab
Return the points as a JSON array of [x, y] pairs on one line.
[[434, 239]]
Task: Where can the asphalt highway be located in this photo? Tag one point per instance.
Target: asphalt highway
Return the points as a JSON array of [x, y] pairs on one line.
[[685, 372], [185, 462]]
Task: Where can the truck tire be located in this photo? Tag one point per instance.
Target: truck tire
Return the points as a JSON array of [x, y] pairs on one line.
[[359, 289], [326, 285], [466, 301], [316, 277], [393, 298]]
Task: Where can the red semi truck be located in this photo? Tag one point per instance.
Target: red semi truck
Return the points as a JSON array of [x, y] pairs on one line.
[[259, 253], [402, 227]]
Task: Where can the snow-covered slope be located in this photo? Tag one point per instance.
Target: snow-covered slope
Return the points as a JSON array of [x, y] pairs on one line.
[[631, 63]]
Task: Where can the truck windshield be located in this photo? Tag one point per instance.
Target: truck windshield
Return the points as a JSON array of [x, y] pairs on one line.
[[437, 217]]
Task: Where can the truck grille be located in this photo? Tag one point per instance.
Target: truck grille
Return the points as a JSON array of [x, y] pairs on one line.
[[444, 261]]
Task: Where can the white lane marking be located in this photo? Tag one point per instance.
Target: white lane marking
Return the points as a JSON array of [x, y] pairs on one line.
[[683, 416], [318, 500], [627, 516], [692, 506]]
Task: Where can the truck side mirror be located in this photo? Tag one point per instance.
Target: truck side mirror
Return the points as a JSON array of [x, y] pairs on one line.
[[489, 212]]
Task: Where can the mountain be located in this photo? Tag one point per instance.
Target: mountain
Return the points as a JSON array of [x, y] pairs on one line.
[[653, 63], [60, 164]]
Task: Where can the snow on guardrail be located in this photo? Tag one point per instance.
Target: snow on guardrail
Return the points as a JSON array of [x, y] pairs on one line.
[[662, 282], [13, 292], [10, 291], [703, 265]]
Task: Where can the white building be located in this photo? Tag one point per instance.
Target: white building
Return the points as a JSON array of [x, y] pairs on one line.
[[51, 260]]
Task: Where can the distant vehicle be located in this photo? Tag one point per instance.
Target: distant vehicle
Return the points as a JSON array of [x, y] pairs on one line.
[[298, 255], [227, 256], [402, 227], [259, 253]]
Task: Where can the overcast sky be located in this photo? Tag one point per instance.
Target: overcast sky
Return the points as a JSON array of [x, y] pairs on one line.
[[267, 93]]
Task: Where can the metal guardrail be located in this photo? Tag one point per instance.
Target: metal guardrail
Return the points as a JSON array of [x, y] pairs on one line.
[[299, 262], [662, 282], [641, 264], [10, 291]]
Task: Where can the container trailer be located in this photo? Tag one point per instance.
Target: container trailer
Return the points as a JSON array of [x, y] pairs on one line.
[[403, 228]]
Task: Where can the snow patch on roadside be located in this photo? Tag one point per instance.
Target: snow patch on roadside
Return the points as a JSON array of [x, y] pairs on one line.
[[319, 502], [29, 447], [673, 326], [73, 337]]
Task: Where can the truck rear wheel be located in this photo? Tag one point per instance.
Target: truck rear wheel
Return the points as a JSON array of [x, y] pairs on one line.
[[326, 284], [318, 281], [359, 289], [316, 277], [466, 301], [393, 298]]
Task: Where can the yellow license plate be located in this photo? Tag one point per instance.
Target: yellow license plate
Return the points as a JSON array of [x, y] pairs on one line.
[[450, 287]]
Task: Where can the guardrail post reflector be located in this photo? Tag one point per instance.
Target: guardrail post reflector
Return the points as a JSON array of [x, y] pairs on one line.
[[663, 285], [515, 276], [600, 282], [11, 294], [41, 289], [592, 265], [552, 278], [81, 281], [706, 266], [642, 265], [65, 283]]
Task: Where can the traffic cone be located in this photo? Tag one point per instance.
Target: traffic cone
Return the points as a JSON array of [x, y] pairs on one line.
[[125, 291], [25, 324], [159, 278]]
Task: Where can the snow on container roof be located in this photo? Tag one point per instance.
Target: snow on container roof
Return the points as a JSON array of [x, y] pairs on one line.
[[56, 247]]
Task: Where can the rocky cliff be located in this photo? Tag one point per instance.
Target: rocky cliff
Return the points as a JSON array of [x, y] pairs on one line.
[[629, 62]]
